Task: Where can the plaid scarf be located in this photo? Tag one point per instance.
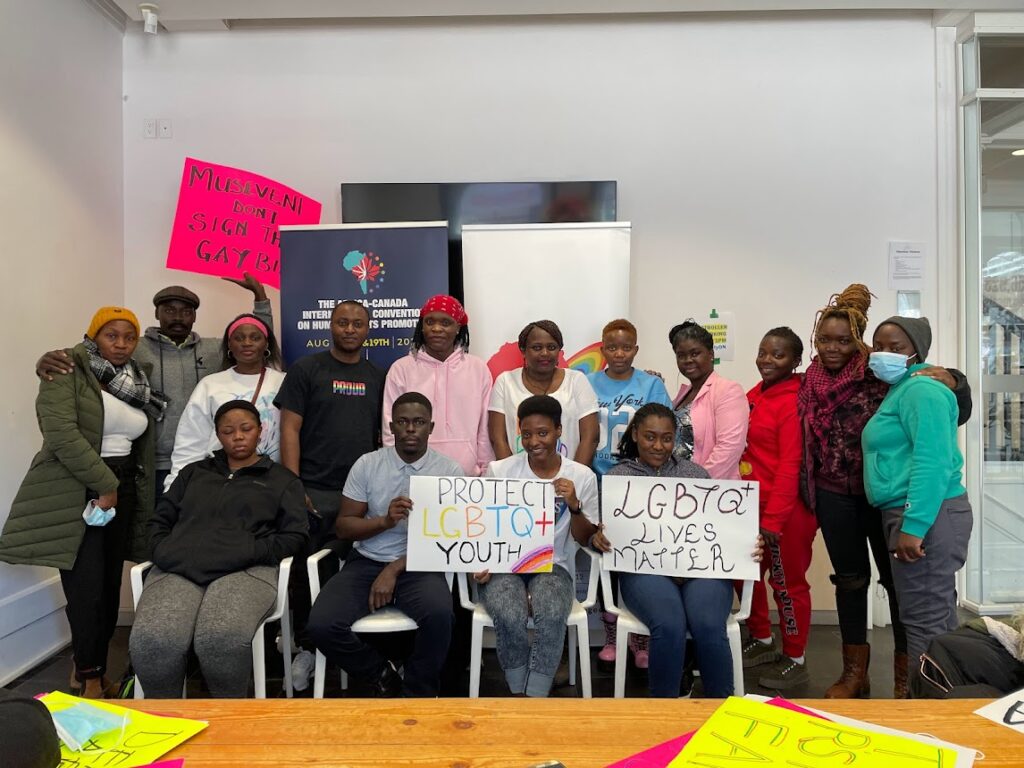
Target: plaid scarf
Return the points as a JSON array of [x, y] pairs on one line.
[[128, 383], [855, 388]]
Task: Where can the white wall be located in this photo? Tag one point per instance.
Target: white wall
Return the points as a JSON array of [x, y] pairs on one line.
[[764, 161], [62, 203]]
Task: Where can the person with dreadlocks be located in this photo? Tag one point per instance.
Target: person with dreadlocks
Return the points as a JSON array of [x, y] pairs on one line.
[[96, 464], [457, 384], [541, 344], [837, 397]]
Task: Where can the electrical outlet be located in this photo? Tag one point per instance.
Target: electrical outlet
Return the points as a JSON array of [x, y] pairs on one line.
[[149, 128], [163, 128]]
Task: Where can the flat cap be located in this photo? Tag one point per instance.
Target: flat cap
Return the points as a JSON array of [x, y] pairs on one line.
[[176, 293]]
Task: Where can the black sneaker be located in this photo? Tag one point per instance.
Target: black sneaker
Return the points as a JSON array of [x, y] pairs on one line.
[[756, 653], [388, 684], [784, 674]]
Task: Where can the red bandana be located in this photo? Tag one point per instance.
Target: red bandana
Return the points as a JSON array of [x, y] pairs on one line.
[[447, 304]]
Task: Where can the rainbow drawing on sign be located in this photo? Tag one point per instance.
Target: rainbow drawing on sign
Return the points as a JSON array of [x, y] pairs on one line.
[[589, 359], [539, 560]]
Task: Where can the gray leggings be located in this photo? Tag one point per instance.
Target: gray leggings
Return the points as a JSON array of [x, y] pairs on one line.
[[219, 620], [529, 667]]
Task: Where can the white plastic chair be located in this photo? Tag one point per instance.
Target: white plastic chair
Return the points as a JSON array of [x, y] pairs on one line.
[[626, 622], [383, 620], [280, 613], [577, 621]]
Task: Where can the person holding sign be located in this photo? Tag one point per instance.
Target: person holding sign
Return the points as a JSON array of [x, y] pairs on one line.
[[511, 598], [837, 396], [250, 370], [96, 463], [671, 606], [374, 509], [541, 344], [457, 384], [178, 356], [912, 473], [772, 458], [621, 389], [218, 535], [711, 412]]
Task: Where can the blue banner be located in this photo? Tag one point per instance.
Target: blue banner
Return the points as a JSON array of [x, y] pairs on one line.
[[391, 268]]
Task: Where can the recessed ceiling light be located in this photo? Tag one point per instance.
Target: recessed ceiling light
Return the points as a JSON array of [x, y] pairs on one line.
[[1018, 153]]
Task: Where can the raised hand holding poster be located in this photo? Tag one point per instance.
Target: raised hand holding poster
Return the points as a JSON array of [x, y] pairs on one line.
[[227, 222], [681, 527], [472, 524]]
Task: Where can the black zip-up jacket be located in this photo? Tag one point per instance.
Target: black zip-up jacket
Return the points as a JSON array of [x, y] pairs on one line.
[[212, 521]]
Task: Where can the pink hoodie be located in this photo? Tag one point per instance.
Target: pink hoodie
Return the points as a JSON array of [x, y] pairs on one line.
[[719, 414], [459, 389]]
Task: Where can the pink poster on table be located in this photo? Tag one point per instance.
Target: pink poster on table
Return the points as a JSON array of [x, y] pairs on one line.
[[227, 222]]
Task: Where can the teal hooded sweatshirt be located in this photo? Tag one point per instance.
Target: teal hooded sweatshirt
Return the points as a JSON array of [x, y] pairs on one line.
[[911, 458]]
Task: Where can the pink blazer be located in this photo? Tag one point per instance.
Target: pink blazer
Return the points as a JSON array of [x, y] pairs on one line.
[[720, 415]]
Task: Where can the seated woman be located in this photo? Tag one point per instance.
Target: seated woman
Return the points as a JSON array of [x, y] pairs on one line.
[[511, 598], [250, 370], [217, 535], [670, 606]]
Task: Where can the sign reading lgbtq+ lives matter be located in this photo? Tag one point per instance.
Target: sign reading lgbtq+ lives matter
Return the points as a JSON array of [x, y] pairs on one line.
[[471, 524], [681, 526]]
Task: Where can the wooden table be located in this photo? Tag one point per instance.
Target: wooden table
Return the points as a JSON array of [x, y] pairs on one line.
[[486, 733]]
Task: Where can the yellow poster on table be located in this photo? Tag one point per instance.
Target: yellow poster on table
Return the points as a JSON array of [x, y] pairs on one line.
[[749, 733], [142, 740]]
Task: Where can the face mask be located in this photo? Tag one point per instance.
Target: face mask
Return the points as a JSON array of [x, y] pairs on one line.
[[889, 366], [94, 515], [77, 724]]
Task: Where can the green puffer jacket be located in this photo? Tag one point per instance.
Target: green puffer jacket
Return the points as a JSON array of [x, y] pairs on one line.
[[46, 526]]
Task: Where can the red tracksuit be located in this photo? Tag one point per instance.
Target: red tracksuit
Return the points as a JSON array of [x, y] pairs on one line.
[[773, 455]]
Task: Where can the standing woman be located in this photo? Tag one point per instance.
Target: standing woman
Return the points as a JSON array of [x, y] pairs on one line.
[[250, 370], [711, 412], [457, 384], [772, 458], [97, 425], [912, 473], [541, 343]]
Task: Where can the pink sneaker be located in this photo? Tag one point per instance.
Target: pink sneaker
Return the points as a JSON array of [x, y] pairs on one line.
[[638, 645], [607, 654]]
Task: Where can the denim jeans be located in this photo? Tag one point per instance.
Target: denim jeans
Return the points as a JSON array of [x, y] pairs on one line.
[[669, 607], [511, 599]]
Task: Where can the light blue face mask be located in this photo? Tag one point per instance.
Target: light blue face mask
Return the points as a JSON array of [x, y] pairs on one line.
[[94, 515], [889, 366], [77, 724]]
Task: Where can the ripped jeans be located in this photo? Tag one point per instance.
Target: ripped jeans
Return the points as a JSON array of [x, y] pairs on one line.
[[529, 667]]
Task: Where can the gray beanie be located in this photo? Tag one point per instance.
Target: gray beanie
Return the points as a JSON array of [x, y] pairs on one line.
[[918, 330]]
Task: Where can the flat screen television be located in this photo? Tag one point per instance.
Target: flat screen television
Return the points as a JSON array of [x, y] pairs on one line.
[[515, 202]]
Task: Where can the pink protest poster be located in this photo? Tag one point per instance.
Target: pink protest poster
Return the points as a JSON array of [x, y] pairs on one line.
[[227, 222]]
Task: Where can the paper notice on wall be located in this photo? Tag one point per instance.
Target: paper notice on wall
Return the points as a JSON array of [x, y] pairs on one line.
[[906, 266], [722, 327]]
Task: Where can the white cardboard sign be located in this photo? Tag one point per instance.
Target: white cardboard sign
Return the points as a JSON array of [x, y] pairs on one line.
[[1008, 711], [470, 524], [681, 526]]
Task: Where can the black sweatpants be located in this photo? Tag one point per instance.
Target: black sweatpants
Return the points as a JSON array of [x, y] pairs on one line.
[[92, 587]]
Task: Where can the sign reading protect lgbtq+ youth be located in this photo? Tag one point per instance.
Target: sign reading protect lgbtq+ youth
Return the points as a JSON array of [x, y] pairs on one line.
[[471, 524], [227, 222], [681, 526]]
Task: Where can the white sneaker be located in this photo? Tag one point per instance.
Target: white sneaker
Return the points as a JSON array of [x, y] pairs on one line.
[[302, 669]]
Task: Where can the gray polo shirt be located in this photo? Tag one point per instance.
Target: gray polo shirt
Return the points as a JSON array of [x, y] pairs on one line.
[[379, 477]]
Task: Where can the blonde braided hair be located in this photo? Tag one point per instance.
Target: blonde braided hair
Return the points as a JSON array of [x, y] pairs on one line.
[[852, 306]]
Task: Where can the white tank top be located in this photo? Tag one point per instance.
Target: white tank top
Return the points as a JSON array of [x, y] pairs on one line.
[[121, 425]]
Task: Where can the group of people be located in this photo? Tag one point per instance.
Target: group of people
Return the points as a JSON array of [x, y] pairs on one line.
[[215, 464]]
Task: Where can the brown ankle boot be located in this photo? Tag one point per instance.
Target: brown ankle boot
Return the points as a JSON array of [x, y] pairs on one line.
[[854, 682], [899, 675]]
